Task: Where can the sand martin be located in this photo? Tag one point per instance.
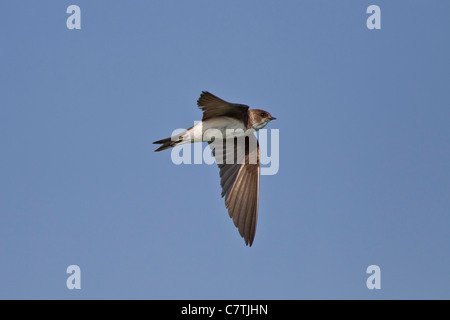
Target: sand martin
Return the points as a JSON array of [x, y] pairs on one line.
[[236, 153]]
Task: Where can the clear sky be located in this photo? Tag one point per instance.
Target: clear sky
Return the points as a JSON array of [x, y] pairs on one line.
[[363, 118]]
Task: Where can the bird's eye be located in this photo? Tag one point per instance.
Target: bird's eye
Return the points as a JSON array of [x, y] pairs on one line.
[[263, 114]]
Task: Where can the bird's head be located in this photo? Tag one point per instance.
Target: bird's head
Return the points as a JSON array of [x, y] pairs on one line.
[[260, 118]]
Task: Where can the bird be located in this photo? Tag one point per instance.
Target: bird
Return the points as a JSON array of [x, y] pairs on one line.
[[229, 129]]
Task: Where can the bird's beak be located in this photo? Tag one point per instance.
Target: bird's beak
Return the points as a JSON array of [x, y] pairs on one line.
[[273, 118]]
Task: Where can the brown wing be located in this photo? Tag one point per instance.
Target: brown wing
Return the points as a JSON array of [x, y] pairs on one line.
[[213, 106], [239, 173]]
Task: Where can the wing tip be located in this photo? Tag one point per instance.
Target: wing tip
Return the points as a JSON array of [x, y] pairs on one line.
[[203, 96]]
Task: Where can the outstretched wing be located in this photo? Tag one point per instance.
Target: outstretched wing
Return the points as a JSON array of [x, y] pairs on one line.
[[213, 106], [238, 160]]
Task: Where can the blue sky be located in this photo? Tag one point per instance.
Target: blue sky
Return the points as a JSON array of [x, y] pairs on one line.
[[363, 117]]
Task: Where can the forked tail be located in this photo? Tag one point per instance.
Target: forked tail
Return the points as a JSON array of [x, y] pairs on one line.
[[166, 144]]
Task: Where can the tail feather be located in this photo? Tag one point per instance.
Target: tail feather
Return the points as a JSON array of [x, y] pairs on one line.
[[162, 141], [166, 144]]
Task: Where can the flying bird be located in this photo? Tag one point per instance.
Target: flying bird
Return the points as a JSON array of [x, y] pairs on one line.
[[228, 128]]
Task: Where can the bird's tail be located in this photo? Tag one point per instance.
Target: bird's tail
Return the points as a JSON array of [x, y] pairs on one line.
[[167, 143]]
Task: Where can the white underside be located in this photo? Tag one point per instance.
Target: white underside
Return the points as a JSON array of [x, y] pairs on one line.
[[223, 127]]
